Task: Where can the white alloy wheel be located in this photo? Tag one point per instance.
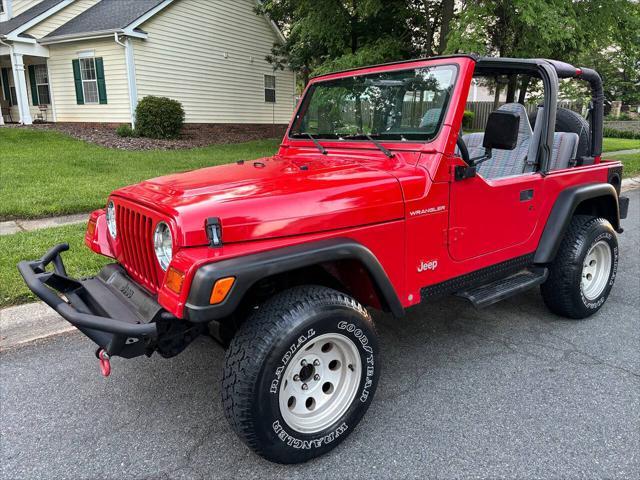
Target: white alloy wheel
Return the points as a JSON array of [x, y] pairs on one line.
[[320, 383], [595, 270]]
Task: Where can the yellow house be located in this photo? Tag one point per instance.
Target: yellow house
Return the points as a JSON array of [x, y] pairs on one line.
[[92, 60]]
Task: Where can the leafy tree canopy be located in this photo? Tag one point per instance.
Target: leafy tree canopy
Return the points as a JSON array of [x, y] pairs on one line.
[[329, 35]]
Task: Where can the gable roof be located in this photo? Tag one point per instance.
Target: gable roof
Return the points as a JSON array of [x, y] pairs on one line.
[[105, 16], [27, 16]]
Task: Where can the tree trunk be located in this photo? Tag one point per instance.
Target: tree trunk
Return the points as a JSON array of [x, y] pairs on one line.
[[524, 84], [445, 23], [354, 27], [428, 28], [511, 88], [496, 98]]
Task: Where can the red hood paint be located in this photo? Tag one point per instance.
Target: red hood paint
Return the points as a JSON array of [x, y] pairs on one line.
[[273, 197]]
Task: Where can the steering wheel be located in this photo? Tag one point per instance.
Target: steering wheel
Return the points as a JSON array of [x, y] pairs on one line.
[[464, 152]]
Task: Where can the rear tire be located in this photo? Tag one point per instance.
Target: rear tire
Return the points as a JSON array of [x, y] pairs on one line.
[[300, 373], [584, 269]]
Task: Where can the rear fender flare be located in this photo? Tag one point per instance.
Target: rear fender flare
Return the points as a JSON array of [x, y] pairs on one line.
[[250, 269], [602, 197]]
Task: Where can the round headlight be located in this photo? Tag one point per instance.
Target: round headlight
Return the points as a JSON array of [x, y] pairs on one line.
[[163, 245], [111, 219]]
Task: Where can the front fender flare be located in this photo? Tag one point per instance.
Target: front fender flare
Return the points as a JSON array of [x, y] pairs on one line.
[[564, 209], [249, 269]]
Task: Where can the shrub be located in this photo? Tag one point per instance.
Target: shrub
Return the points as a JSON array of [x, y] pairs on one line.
[[125, 131], [613, 133], [159, 117], [467, 118]]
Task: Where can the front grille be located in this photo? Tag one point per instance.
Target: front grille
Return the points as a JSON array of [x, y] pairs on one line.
[[135, 231]]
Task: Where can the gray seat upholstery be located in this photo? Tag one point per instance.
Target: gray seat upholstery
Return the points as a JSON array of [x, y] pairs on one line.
[[565, 148], [504, 163]]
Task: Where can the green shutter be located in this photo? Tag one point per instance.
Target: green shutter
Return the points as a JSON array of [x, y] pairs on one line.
[[5, 85], [102, 87], [34, 87], [77, 79]]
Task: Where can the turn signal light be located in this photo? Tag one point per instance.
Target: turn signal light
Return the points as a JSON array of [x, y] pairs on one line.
[[174, 280], [221, 289], [91, 228]]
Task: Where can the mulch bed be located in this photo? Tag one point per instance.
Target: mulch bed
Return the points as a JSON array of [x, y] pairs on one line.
[[193, 135]]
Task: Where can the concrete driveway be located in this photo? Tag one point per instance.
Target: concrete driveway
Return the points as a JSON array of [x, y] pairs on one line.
[[508, 392]]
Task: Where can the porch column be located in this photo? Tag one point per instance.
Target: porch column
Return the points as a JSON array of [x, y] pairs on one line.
[[20, 83]]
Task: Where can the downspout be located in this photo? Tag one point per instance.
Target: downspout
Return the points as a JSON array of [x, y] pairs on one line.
[[131, 75], [2, 43]]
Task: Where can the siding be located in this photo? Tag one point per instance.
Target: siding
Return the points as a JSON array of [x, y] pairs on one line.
[[20, 6], [60, 18], [61, 72], [184, 58]]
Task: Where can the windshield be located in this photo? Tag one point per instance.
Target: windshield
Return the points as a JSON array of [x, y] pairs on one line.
[[397, 105]]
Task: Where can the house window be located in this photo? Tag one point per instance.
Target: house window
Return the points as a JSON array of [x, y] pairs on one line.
[[42, 84], [13, 100], [270, 88], [89, 80], [1, 6]]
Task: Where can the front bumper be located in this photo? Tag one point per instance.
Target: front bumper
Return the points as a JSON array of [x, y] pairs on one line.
[[110, 309]]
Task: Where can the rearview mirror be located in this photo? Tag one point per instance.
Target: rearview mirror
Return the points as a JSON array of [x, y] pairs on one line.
[[501, 131]]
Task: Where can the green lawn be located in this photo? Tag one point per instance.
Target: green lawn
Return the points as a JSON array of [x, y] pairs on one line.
[[79, 260], [630, 161], [615, 144], [46, 173]]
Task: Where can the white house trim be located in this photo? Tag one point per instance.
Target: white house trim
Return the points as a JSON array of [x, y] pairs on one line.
[[8, 11], [20, 84], [75, 37], [14, 34], [273, 25], [129, 29], [32, 49], [131, 76], [52, 100]]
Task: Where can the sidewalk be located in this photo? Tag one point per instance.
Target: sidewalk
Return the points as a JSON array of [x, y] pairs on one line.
[[621, 152], [15, 226]]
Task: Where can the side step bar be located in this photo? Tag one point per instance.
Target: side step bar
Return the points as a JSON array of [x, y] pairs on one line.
[[493, 292]]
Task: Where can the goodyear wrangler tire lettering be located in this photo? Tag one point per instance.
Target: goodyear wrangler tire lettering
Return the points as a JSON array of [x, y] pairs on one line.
[[300, 373], [584, 271]]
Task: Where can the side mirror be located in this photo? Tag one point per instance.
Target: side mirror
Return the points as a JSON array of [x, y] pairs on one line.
[[501, 131]]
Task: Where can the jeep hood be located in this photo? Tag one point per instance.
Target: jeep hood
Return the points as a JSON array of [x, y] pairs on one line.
[[273, 197]]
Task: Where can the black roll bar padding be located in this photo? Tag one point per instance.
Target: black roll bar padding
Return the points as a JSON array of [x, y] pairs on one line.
[[597, 112]]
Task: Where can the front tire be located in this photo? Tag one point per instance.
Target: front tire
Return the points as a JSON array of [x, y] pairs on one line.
[[584, 270], [300, 373]]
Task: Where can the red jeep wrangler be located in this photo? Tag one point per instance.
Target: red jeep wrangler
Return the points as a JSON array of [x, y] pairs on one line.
[[375, 199]]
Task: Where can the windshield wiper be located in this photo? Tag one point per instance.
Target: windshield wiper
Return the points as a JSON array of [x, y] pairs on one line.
[[315, 141], [381, 147]]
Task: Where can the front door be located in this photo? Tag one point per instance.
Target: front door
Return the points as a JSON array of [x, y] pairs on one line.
[[487, 216]]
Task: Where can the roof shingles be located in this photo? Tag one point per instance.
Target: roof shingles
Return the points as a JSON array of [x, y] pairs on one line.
[[108, 15], [26, 16]]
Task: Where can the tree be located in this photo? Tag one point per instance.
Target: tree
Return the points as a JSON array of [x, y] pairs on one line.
[[329, 35], [603, 34]]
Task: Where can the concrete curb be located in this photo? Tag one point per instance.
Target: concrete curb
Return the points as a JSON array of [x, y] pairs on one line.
[[16, 226], [630, 183], [29, 322]]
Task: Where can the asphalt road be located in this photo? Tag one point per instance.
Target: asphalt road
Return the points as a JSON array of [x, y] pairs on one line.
[[508, 392]]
